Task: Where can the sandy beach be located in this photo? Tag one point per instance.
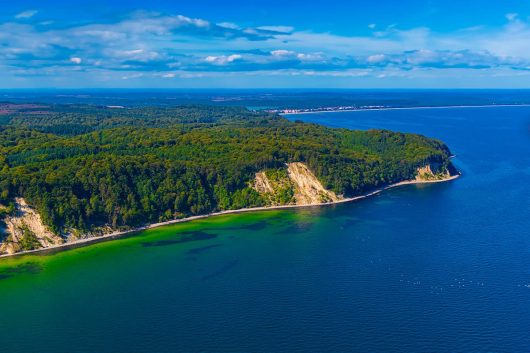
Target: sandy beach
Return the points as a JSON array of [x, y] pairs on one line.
[[118, 234]]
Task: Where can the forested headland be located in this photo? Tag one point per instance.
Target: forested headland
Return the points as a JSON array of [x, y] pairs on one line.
[[84, 166]]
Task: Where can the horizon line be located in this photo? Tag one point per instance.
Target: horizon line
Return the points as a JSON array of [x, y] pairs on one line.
[[270, 88]]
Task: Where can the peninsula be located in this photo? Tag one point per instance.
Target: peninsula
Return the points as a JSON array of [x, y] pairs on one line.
[[71, 174]]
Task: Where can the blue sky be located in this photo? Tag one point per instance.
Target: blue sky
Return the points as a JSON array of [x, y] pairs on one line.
[[262, 44]]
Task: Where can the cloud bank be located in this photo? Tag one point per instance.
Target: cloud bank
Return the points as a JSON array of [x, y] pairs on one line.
[[165, 47]]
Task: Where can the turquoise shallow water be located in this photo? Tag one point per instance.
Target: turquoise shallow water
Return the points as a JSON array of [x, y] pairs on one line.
[[442, 267]]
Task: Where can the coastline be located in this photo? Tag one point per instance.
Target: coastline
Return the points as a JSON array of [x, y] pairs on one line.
[[119, 234], [407, 108]]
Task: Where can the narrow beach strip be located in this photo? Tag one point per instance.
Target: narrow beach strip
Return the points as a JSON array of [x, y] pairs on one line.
[[405, 108], [118, 234]]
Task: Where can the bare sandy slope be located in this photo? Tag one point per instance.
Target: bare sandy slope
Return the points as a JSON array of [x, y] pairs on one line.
[[24, 219], [308, 189], [305, 186], [262, 184]]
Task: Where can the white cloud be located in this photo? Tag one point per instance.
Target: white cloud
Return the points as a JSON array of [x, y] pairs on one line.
[[280, 29], [223, 59], [229, 25], [377, 58], [133, 52], [282, 53], [512, 16], [26, 14], [76, 60], [193, 21], [311, 56], [140, 55], [234, 57], [423, 56]]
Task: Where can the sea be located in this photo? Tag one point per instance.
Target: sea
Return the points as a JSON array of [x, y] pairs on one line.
[[420, 268]]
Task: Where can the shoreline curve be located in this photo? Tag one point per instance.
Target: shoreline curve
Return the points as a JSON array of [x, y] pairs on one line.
[[119, 234]]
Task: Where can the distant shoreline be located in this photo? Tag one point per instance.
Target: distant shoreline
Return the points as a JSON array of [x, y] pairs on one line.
[[403, 108], [119, 234]]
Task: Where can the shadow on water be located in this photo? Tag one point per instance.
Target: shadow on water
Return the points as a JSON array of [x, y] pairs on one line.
[[223, 269], [297, 228], [199, 250], [28, 268], [183, 237]]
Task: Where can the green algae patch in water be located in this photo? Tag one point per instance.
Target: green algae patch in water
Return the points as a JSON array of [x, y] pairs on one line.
[[180, 233]]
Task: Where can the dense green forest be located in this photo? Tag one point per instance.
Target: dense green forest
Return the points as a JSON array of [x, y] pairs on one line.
[[84, 166], [79, 119]]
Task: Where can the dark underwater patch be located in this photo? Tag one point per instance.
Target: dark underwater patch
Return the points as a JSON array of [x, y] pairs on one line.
[[253, 227], [297, 228], [29, 268], [227, 267], [196, 251], [183, 237]]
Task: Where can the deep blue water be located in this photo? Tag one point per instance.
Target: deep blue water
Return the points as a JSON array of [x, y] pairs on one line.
[[461, 251], [432, 268]]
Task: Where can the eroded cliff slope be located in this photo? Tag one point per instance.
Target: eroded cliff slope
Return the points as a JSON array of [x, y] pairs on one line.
[[24, 230], [298, 185]]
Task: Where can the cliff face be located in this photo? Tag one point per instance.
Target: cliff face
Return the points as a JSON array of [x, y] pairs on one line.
[[25, 230], [262, 184], [432, 171], [299, 186], [307, 188], [304, 187]]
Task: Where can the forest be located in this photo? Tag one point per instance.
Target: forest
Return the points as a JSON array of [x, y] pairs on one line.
[[84, 166]]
